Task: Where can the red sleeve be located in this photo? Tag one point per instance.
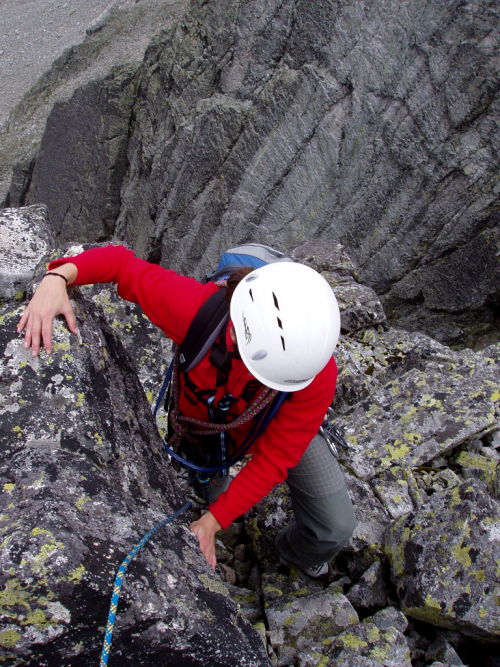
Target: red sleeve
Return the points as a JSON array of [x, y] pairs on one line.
[[169, 300], [280, 447]]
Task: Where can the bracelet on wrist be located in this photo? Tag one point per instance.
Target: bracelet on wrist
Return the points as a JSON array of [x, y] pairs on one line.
[[53, 273]]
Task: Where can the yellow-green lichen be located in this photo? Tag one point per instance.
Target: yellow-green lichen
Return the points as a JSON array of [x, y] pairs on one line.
[[379, 653], [430, 613], [214, 585], [13, 595], [255, 531], [37, 619], [76, 575], [62, 346], [398, 450], [462, 555], [81, 502], [41, 531], [455, 497], [9, 638], [37, 563], [373, 633], [397, 553], [292, 619], [351, 640]]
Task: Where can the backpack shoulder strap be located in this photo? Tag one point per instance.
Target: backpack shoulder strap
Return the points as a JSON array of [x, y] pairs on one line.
[[203, 330]]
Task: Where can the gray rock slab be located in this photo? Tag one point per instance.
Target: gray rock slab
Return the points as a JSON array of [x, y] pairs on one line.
[[103, 109], [443, 651], [296, 623], [367, 543], [364, 145], [390, 617], [359, 305], [430, 409], [118, 36], [248, 602], [25, 239], [453, 544], [365, 644], [369, 359], [382, 648], [370, 591], [35, 32], [398, 491], [148, 347], [84, 477]]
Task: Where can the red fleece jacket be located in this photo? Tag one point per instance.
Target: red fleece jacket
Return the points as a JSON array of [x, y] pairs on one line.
[[171, 301]]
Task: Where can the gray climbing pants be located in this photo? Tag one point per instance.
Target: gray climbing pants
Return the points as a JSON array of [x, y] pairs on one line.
[[323, 513], [324, 518]]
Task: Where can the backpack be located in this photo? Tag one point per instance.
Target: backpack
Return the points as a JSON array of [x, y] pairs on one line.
[[208, 324]]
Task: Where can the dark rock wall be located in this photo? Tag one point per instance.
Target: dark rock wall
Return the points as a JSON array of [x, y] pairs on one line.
[[372, 124], [83, 158]]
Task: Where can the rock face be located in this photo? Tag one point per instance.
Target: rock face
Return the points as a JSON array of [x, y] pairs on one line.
[[455, 539], [84, 477], [117, 39], [105, 105], [21, 249], [370, 124]]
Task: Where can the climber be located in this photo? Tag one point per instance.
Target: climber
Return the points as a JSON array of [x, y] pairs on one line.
[[283, 329]]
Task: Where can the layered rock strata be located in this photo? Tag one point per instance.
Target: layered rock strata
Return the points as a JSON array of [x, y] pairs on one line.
[[370, 124]]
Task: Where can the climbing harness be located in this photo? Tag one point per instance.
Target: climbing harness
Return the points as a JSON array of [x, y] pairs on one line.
[[108, 638], [263, 409]]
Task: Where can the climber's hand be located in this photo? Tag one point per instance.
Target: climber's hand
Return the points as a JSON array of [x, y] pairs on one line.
[[205, 530], [50, 299]]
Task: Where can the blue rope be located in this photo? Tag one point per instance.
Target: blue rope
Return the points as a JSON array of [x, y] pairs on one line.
[[108, 638]]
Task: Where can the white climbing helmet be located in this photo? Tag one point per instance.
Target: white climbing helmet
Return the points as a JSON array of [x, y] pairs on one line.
[[287, 323]]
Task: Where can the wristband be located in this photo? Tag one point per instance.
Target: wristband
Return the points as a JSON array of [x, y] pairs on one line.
[[53, 273]]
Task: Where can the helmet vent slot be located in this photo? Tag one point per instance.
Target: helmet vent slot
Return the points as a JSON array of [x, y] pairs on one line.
[[251, 295], [283, 342], [279, 323], [276, 301], [260, 354]]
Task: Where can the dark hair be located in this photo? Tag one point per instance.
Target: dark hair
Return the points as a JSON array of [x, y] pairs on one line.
[[234, 279]]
